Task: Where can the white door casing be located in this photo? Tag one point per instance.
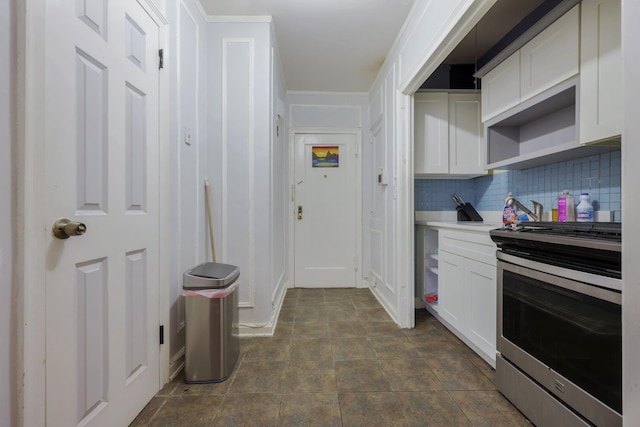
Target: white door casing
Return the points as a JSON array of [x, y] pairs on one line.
[[326, 212], [102, 169]]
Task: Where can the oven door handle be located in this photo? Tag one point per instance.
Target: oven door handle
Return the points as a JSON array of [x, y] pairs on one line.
[[581, 276], [561, 282]]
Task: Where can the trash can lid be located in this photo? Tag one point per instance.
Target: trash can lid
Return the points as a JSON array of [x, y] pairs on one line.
[[210, 275]]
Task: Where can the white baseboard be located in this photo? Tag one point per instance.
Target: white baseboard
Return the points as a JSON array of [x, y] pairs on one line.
[[263, 330], [176, 364], [267, 328], [374, 291]]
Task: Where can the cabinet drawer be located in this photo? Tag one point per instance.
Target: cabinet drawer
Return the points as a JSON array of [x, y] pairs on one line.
[[476, 246]]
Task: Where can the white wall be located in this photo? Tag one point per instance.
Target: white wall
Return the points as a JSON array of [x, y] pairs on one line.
[[242, 163], [630, 209], [187, 64], [279, 174], [431, 28], [382, 226], [8, 325]]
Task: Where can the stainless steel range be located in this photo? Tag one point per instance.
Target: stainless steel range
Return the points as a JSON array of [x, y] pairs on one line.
[[559, 321]]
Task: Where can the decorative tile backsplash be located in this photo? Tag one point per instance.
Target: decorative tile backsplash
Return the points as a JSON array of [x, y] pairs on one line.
[[599, 175]]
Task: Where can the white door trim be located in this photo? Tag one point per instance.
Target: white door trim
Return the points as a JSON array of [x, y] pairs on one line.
[[291, 209], [32, 235], [405, 251]]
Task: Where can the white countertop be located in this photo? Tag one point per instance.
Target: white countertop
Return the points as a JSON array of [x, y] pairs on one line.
[[467, 225], [448, 220]]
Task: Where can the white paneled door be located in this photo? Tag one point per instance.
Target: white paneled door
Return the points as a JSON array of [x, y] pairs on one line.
[[101, 120], [325, 253]]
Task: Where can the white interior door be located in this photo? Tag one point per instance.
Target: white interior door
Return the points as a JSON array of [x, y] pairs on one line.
[[325, 253], [102, 296]]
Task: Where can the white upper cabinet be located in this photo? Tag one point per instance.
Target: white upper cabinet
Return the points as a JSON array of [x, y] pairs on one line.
[[552, 56], [466, 140], [601, 71], [431, 134], [448, 135], [501, 87]]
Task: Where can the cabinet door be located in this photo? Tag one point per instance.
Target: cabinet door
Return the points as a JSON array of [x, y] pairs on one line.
[[452, 290], [482, 292], [431, 134], [501, 87], [552, 56], [466, 141], [600, 71]]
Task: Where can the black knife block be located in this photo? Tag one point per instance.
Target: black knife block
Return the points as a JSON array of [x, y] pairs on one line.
[[467, 212]]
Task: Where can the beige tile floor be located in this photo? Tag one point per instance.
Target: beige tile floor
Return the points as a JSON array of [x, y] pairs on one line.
[[337, 359]]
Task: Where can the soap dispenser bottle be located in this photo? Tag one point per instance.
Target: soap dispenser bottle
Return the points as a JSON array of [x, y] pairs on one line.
[[566, 210], [508, 212]]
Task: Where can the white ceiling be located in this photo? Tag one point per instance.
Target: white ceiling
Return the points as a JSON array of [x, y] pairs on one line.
[[340, 45]]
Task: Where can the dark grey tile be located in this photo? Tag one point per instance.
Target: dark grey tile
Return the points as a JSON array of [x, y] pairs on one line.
[[259, 410], [353, 329], [310, 376], [410, 375], [378, 329], [144, 417], [170, 386], [310, 293], [484, 367], [287, 314], [339, 304], [352, 349], [375, 314], [284, 330], [309, 409], [289, 303], [394, 347], [317, 329], [292, 293], [187, 411], [370, 409], [312, 315], [341, 340], [343, 314], [267, 348], [360, 376], [489, 408], [435, 346], [258, 376], [459, 374], [426, 327], [432, 408], [311, 349]]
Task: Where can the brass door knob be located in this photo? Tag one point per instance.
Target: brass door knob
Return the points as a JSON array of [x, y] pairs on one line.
[[64, 228]]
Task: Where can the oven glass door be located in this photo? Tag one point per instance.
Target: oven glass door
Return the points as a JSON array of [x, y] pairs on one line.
[[577, 335]]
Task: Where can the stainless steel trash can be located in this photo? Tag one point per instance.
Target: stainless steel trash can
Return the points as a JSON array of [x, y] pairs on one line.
[[212, 345]]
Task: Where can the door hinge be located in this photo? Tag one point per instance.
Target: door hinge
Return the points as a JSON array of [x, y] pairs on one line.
[[161, 58], [161, 334], [356, 151], [355, 262]]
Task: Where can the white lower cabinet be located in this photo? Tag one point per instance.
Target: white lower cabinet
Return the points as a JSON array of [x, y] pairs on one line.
[[467, 289], [452, 295], [481, 329]]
